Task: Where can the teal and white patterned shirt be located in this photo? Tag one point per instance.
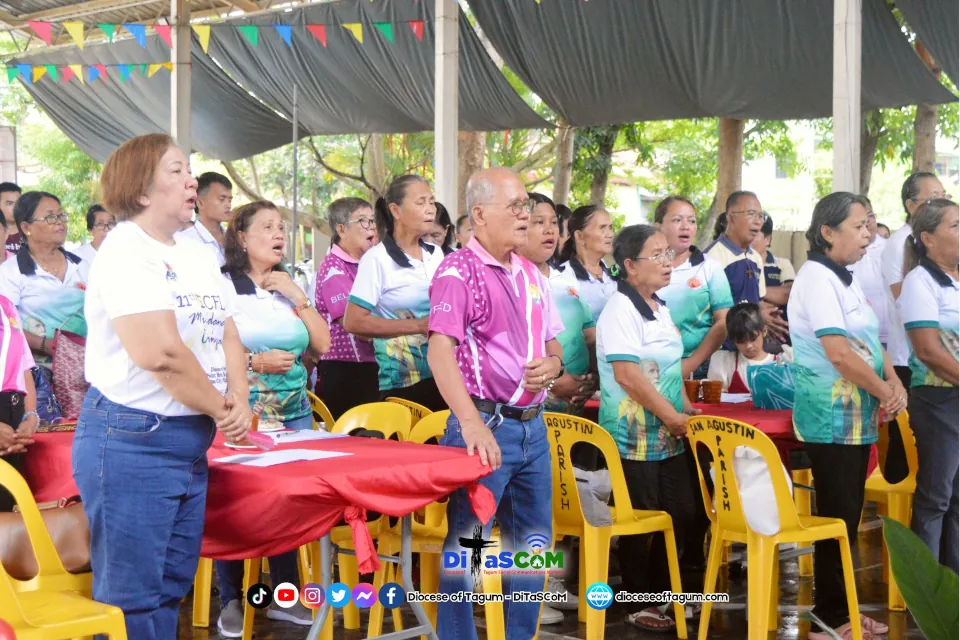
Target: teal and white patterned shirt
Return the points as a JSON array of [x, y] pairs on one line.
[[698, 288], [630, 331], [828, 408], [930, 299]]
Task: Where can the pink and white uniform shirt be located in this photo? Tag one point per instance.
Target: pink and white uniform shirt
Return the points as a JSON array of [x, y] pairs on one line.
[[15, 356], [334, 281], [501, 320]]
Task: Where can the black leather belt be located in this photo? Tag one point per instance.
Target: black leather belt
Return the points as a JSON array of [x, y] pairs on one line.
[[514, 413]]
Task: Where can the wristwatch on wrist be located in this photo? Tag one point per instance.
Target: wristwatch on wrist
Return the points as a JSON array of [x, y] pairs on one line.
[[28, 414], [563, 367], [249, 362]]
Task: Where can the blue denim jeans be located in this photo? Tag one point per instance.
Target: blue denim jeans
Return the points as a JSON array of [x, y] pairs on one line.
[[523, 491], [143, 481], [283, 567]]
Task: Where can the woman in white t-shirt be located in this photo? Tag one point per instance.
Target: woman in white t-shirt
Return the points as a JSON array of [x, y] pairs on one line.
[[390, 299], [166, 369], [590, 238]]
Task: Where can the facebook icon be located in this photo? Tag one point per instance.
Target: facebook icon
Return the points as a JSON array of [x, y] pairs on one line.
[[392, 595]]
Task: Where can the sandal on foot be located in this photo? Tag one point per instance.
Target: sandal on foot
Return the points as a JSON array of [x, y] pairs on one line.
[[690, 611], [844, 632], [873, 626], [651, 620]]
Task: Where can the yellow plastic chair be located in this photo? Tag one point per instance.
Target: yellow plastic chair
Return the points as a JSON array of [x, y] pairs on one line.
[[320, 412], [417, 411], [897, 498], [722, 436], [51, 575], [393, 421], [565, 431]]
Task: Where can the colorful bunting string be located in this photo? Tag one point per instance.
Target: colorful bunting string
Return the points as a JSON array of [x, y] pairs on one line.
[[65, 73], [76, 30]]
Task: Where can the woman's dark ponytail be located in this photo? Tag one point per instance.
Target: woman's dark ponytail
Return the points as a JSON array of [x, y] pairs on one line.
[[381, 211]]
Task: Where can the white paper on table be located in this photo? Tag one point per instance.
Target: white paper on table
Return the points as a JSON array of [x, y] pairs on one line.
[[734, 398], [271, 458], [304, 435]]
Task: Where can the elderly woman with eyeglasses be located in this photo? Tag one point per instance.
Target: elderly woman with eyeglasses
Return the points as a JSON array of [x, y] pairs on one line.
[[46, 284], [347, 374], [99, 223], [645, 408]]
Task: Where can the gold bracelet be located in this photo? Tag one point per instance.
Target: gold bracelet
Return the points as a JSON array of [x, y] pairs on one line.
[[261, 362], [300, 307]]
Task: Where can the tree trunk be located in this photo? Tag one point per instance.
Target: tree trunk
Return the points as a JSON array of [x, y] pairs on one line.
[[377, 174], [472, 146], [869, 140], [925, 124], [563, 169], [729, 173], [606, 138]]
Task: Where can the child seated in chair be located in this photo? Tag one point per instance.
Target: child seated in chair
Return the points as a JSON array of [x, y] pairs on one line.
[[746, 330]]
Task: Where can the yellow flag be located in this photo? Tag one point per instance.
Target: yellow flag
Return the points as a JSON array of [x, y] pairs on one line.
[[77, 71], [203, 35], [356, 29], [75, 29], [39, 72], [152, 70], [168, 66]]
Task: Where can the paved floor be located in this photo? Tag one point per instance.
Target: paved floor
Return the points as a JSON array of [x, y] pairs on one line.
[[729, 621]]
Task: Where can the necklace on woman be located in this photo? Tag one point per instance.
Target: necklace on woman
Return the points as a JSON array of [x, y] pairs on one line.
[[54, 271]]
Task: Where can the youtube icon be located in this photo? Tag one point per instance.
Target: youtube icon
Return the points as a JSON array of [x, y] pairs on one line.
[[286, 595]]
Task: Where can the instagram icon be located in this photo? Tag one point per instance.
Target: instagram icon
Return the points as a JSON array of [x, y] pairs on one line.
[[312, 595]]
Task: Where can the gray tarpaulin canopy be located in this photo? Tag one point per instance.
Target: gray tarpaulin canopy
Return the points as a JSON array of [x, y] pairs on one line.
[[228, 123], [374, 87], [610, 61], [937, 25]]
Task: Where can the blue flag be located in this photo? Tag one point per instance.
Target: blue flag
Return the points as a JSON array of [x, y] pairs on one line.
[[139, 33], [286, 32]]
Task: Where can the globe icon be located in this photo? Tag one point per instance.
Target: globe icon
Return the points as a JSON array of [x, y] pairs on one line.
[[599, 595], [537, 562]]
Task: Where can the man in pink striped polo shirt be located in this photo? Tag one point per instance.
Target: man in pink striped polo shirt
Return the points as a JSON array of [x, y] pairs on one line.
[[494, 354]]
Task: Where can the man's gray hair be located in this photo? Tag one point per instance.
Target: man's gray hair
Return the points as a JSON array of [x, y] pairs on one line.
[[480, 190]]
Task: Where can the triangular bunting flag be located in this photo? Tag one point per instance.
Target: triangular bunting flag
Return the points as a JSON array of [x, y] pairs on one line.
[[143, 69], [24, 70], [52, 71], [168, 66], [319, 32], [386, 29], [12, 73], [139, 33], [252, 32], [417, 26], [125, 72], [103, 72], [77, 71], [39, 72], [356, 29], [286, 32], [108, 30], [153, 70], [75, 29], [67, 74], [42, 29], [92, 74], [165, 32], [203, 35]]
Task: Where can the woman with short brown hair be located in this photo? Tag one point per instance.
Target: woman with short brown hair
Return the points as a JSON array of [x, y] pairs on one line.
[[166, 369]]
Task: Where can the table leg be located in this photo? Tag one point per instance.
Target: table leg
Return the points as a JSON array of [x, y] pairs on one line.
[[322, 627], [406, 578]]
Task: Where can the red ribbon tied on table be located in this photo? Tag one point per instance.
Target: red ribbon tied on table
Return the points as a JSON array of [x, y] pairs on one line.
[[367, 560]]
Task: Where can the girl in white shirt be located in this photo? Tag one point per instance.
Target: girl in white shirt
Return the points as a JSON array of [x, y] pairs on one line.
[[747, 330]]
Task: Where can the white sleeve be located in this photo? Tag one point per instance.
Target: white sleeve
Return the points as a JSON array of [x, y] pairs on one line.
[[918, 303], [721, 367], [891, 263], [368, 285], [825, 308], [622, 334], [130, 284], [9, 281]]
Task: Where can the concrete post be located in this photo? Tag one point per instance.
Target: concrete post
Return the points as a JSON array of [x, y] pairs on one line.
[[180, 79], [447, 102], [847, 40]]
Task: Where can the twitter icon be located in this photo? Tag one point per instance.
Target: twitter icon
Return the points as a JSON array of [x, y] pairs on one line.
[[338, 595]]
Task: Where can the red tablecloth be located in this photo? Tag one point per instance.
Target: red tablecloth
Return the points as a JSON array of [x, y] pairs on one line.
[[261, 511], [777, 425]]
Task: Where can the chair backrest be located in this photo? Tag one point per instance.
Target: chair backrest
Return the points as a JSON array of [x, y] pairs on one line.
[[908, 484], [417, 411], [320, 412], [390, 419], [722, 436], [48, 560], [565, 431], [431, 427]]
